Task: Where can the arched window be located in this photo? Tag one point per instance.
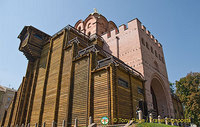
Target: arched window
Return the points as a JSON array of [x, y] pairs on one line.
[[142, 40], [151, 49], [79, 28], [89, 25], [147, 45], [89, 33], [159, 57], [156, 64], [156, 53]]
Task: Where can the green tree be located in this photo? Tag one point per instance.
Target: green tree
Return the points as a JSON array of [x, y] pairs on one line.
[[188, 90]]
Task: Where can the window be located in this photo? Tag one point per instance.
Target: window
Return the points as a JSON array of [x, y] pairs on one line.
[[79, 28], [89, 25], [156, 53], [151, 49], [123, 83], [147, 45], [141, 105], [159, 57], [142, 40], [89, 33], [140, 90], [9, 99], [156, 64], [37, 36]]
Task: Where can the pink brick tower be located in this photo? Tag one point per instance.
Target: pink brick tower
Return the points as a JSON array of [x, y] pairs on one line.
[[138, 48]]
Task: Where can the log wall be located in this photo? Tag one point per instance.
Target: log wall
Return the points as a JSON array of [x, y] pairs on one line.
[[80, 91], [39, 86], [100, 95], [16, 105], [65, 85], [52, 83], [60, 85]]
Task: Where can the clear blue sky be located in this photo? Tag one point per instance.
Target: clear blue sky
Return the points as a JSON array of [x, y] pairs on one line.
[[175, 23]]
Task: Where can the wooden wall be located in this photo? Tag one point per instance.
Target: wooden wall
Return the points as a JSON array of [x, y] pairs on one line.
[[62, 87], [80, 91], [16, 105], [65, 86], [101, 100], [124, 96], [53, 79], [136, 97], [31, 92], [8, 115], [37, 101]]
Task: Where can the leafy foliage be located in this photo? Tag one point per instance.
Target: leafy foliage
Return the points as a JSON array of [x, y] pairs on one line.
[[188, 90]]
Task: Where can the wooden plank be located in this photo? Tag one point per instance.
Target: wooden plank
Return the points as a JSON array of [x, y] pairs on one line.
[[6, 123], [100, 95], [16, 105], [51, 88], [124, 100], [65, 84], [37, 101], [31, 69], [32, 92], [4, 117], [59, 79], [80, 93], [20, 99], [12, 106], [135, 95]]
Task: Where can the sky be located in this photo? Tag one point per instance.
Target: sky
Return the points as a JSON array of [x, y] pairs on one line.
[[175, 23]]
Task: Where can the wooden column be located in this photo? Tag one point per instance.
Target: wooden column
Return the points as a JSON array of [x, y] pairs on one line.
[[109, 94], [27, 94], [23, 93], [13, 106], [45, 82], [71, 87], [4, 118], [90, 89], [113, 88], [131, 93], [34, 83], [19, 92], [59, 79]]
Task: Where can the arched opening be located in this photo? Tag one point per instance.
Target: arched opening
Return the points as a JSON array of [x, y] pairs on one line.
[[158, 98], [89, 33], [79, 28]]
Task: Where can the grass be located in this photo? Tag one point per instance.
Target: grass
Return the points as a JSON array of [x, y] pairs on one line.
[[152, 125]]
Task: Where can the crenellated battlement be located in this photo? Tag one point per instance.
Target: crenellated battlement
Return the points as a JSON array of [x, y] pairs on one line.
[[150, 35], [131, 25]]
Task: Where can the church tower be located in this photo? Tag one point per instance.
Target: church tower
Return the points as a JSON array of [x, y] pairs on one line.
[[138, 48], [95, 23]]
